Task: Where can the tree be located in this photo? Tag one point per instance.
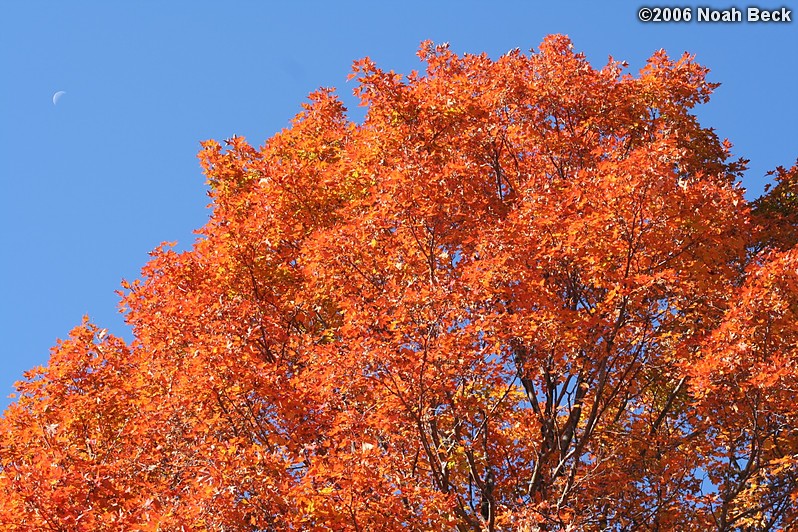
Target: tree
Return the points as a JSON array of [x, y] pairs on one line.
[[523, 294]]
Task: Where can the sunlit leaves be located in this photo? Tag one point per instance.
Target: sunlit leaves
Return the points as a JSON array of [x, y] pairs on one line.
[[524, 293]]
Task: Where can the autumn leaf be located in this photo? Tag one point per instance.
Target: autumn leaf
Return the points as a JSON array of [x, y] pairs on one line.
[[523, 294]]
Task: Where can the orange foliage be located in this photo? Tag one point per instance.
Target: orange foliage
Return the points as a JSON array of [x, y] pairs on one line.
[[523, 294]]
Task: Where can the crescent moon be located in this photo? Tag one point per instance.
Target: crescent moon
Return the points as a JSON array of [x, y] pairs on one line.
[[57, 96]]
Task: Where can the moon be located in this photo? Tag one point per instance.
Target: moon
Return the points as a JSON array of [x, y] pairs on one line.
[[57, 96]]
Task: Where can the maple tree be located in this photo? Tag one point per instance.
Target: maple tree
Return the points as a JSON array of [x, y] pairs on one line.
[[523, 294]]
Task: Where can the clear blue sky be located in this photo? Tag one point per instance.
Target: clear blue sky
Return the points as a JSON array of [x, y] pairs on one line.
[[92, 184]]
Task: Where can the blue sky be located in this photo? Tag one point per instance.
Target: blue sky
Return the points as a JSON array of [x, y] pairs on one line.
[[91, 185]]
